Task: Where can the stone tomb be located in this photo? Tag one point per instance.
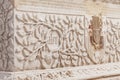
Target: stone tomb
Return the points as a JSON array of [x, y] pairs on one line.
[[59, 39]]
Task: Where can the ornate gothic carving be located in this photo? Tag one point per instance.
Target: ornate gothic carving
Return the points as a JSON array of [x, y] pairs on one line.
[[6, 35]]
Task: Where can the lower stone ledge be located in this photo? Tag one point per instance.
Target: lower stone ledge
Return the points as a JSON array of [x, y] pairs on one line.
[[67, 73]]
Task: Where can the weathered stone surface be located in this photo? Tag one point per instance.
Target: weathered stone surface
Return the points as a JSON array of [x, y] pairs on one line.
[[90, 72], [59, 40], [54, 40], [6, 35], [6, 76]]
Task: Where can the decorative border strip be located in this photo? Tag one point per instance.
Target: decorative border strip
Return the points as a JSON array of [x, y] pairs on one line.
[[71, 73]]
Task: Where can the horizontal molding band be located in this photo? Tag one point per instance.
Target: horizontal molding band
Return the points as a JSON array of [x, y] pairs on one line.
[[68, 73]]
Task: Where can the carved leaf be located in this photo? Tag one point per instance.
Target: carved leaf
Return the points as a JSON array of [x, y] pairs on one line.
[[25, 29], [28, 16], [18, 19], [46, 20], [80, 27], [18, 42], [25, 53], [19, 34], [75, 20], [34, 20], [50, 19], [68, 19], [24, 18], [54, 19], [35, 34], [65, 22]]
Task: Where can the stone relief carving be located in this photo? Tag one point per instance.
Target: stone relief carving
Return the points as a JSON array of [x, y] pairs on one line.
[[56, 40], [74, 73], [109, 42], [96, 39], [6, 35], [6, 76], [95, 33], [49, 41], [112, 49], [46, 40]]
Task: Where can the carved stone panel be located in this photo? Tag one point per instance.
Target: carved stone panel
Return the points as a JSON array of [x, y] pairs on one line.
[[112, 40], [6, 35], [45, 40], [41, 40], [109, 39]]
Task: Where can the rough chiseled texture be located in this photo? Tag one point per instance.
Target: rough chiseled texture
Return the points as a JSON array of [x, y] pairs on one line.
[[6, 35]]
